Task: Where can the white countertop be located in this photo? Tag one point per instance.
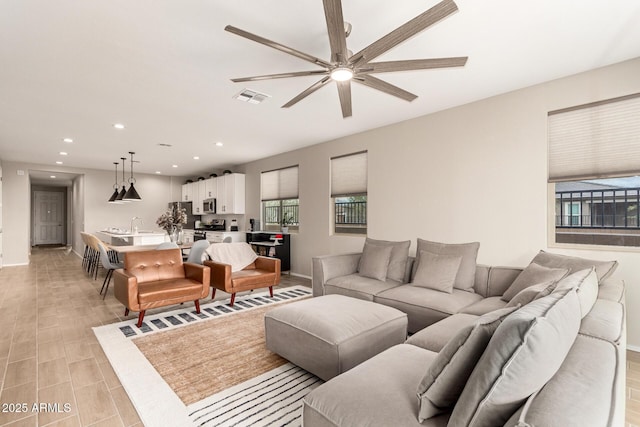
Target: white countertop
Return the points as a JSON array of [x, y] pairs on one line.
[[141, 233]]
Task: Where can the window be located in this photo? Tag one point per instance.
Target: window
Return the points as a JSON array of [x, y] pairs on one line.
[[349, 193], [594, 160], [279, 195]]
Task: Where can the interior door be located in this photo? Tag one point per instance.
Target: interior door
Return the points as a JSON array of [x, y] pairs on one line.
[[48, 218]]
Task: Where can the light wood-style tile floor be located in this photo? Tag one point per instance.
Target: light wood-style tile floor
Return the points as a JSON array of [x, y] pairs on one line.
[[48, 352]]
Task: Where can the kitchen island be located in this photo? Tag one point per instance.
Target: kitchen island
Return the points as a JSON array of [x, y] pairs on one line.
[[137, 238]]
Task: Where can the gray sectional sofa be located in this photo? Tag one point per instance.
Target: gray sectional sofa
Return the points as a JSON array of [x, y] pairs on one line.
[[556, 360]]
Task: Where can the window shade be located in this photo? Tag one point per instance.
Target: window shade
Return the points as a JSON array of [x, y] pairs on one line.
[[349, 175], [279, 184], [595, 141]]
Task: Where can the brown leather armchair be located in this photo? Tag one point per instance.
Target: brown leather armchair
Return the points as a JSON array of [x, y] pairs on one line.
[[158, 278], [262, 273]]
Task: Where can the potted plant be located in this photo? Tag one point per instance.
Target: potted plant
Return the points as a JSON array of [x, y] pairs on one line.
[[172, 221], [285, 221]]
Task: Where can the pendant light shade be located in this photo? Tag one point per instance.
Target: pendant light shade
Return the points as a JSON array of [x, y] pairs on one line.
[[131, 195], [122, 192], [113, 197]]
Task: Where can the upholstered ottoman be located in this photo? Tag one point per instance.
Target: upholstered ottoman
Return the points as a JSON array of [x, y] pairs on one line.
[[331, 334]]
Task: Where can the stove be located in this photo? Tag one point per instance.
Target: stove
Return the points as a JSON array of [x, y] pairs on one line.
[[199, 234], [216, 225]]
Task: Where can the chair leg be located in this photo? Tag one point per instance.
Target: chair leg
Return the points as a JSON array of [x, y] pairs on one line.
[[126, 311], [271, 291], [107, 280], [233, 299], [197, 302], [140, 317], [213, 293]]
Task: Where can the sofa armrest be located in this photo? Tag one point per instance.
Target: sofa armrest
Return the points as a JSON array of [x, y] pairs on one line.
[[220, 275], [199, 273], [125, 288], [326, 267], [269, 264]]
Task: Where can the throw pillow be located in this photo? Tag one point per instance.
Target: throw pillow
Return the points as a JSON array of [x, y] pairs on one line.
[[437, 272], [531, 275], [603, 268], [399, 257], [442, 384], [524, 353], [586, 284], [466, 277], [532, 293], [374, 261]]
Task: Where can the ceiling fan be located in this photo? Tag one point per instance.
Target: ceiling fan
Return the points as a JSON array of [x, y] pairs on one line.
[[345, 67]]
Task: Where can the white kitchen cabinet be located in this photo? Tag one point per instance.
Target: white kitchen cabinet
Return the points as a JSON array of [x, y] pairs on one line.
[[219, 236], [210, 188], [198, 197], [230, 188], [187, 192]]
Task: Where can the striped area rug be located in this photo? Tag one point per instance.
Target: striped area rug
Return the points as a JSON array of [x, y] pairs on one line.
[[270, 398]]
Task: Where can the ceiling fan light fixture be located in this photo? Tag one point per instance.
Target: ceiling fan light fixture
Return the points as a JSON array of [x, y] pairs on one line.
[[342, 74]]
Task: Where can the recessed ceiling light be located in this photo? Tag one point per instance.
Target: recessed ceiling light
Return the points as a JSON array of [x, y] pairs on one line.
[[219, 144], [68, 140], [63, 153], [58, 162], [158, 172], [196, 158], [118, 126], [52, 176], [174, 166]]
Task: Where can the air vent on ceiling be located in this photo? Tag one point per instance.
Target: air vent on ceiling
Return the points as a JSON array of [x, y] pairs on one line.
[[251, 96], [165, 145]]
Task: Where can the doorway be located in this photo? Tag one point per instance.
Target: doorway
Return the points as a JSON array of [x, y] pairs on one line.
[[49, 217]]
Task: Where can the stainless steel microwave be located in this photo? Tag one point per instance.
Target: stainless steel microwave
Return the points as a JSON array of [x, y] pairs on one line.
[[209, 206]]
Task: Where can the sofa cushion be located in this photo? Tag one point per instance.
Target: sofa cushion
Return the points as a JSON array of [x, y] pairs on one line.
[[468, 251], [579, 394], [532, 293], [436, 271], [378, 392], [484, 306], [356, 286], [532, 275], [605, 321], [603, 268], [612, 290], [425, 306], [434, 337], [586, 284], [447, 375], [398, 259], [374, 261], [524, 353]]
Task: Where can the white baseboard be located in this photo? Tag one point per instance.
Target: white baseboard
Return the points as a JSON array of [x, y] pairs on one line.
[[633, 348], [14, 265], [300, 275]]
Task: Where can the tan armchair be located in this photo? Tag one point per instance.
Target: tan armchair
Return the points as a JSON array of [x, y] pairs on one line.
[[262, 273], [158, 278]]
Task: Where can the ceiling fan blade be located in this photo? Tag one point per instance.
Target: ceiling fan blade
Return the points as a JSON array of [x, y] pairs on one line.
[[405, 31], [411, 64], [335, 28], [381, 85], [281, 76], [344, 92], [314, 87], [277, 46]]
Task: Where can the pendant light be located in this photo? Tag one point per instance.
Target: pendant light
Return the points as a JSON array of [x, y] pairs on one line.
[[120, 197], [113, 197], [132, 195]]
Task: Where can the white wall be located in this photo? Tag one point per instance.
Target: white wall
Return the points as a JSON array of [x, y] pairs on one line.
[[91, 211], [473, 173]]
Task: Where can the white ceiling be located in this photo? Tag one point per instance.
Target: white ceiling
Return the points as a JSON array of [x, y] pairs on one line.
[[72, 68]]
